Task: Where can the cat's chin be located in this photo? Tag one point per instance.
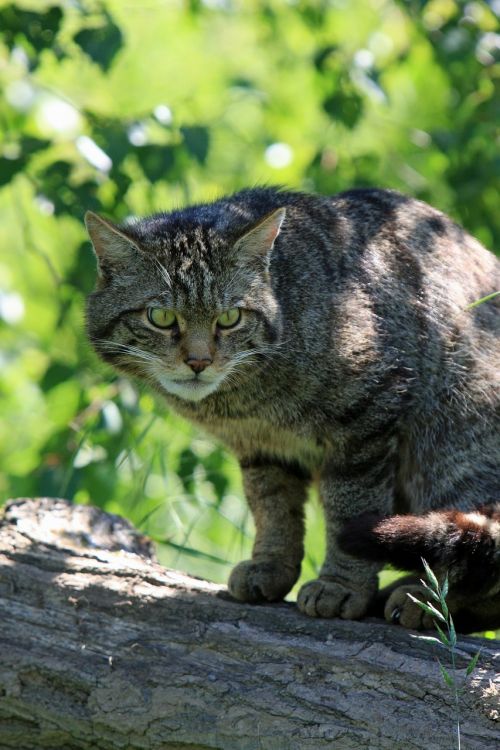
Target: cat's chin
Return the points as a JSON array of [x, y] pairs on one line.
[[189, 390]]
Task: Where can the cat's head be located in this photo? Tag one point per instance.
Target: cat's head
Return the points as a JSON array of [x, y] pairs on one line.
[[182, 305]]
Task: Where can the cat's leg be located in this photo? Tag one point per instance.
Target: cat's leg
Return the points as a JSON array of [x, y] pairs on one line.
[[346, 585], [276, 494]]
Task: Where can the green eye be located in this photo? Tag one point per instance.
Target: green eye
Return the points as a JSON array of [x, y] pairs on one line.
[[161, 317], [229, 318]]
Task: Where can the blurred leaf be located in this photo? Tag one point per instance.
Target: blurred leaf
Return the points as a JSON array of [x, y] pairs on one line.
[[30, 145], [27, 146], [323, 55], [38, 29], [68, 196], [111, 136], [156, 161], [82, 274], [197, 141], [102, 43], [9, 168], [58, 372], [188, 461], [344, 105]]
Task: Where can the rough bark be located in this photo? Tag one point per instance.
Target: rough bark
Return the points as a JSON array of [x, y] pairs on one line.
[[102, 648]]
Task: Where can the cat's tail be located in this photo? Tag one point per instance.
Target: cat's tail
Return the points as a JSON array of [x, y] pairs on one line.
[[465, 544]]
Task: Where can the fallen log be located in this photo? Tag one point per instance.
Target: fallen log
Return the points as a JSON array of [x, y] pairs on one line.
[[102, 648]]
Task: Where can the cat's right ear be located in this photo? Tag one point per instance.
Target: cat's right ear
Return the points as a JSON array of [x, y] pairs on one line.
[[256, 243], [112, 246]]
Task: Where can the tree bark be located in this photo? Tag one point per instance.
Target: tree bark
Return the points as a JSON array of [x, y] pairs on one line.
[[102, 648]]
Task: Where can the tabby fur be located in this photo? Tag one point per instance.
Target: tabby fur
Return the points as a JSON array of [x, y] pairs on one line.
[[357, 365]]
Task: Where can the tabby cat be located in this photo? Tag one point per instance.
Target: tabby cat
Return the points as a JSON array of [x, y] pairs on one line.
[[326, 340]]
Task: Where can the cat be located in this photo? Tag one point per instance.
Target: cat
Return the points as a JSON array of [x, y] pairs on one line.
[[327, 340]]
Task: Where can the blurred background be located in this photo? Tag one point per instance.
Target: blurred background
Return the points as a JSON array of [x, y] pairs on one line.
[[133, 107]]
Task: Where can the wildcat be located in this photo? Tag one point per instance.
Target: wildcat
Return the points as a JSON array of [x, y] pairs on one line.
[[327, 340]]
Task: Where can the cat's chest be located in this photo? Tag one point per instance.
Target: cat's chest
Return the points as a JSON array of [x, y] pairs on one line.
[[250, 436]]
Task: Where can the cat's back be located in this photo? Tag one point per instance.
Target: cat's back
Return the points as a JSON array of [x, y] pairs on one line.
[[393, 248]]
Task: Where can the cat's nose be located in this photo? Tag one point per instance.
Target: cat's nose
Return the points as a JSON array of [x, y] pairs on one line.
[[198, 365]]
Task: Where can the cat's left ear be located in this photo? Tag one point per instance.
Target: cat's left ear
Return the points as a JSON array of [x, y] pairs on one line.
[[257, 243], [114, 249]]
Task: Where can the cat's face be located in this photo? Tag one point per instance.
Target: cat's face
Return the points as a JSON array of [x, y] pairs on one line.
[[188, 310]]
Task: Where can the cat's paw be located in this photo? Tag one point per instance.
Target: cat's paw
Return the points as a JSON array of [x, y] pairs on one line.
[[329, 598], [263, 580], [401, 610]]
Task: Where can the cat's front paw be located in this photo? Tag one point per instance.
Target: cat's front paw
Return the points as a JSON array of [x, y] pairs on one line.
[[401, 610], [263, 580], [329, 598]]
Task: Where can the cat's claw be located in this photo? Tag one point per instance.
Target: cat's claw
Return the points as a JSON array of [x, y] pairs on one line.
[[326, 598], [264, 580], [401, 610]]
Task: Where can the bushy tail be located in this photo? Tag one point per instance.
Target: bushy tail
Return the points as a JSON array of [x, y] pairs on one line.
[[467, 544]]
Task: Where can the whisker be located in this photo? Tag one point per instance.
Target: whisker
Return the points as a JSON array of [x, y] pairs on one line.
[[132, 351]]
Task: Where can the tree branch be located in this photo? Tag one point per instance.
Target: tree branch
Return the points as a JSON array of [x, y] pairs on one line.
[[102, 648]]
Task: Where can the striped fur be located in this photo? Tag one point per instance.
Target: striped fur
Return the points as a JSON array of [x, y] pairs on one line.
[[356, 364]]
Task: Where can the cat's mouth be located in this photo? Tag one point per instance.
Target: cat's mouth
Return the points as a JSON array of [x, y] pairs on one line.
[[189, 388]]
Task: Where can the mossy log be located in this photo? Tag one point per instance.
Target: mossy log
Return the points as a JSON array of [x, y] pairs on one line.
[[102, 648]]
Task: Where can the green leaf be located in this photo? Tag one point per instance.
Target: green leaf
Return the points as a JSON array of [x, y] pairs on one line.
[[421, 604], [344, 106], [442, 635], [57, 373], [27, 146], [9, 168], [452, 631], [435, 612], [427, 607], [322, 56], [38, 29], [197, 142], [101, 44], [430, 575], [444, 588], [472, 664], [157, 162], [446, 677], [429, 638], [430, 591], [444, 607]]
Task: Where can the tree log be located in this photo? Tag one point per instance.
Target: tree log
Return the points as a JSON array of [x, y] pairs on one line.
[[102, 648]]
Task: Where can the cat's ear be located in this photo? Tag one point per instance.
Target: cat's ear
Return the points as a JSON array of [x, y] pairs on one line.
[[114, 249], [257, 242]]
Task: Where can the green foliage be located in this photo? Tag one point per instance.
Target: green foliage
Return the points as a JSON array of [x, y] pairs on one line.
[[129, 108], [448, 639]]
